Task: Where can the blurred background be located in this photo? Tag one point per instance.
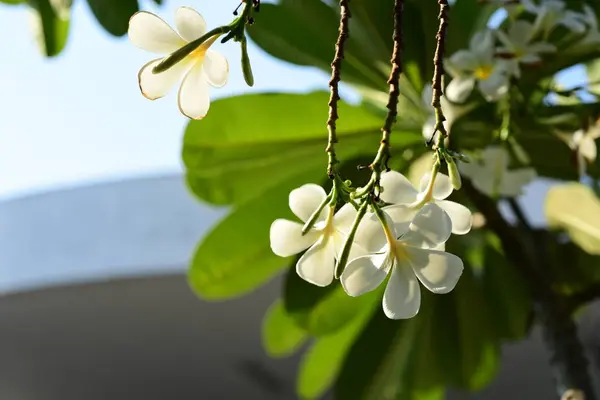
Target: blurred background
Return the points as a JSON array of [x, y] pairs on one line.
[[97, 228]]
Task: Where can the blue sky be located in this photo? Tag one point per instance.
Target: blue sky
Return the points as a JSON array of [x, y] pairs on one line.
[[80, 117]]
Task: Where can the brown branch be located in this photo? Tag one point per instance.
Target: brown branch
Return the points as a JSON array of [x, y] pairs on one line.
[[336, 67], [568, 360], [438, 74], [383, 155]]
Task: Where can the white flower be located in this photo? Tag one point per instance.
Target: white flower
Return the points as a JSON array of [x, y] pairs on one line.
[[477, 65], [324, 241], [492, 176], [429, 125], [591, 40], [517, 43], [201, 68], [584, 144], [550, 13], [397, 189], [404, 249]]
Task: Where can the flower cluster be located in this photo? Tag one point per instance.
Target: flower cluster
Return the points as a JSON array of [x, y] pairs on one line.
[[402, 236], [495, 56]]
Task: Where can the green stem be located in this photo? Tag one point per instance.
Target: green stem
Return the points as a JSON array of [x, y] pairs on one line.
[[343, 260]]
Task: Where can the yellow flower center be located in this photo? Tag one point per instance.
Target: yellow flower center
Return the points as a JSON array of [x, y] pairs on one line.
[[483, 72], [397, 250], [329, 228], [199, 54]]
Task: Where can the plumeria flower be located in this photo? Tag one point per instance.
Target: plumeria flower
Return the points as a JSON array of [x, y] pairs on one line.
[[324, 240], [403, 250], [492, 176], [477, 66], [517, 43], [397, 189], [550, 13], [201, 68], [584, 144]]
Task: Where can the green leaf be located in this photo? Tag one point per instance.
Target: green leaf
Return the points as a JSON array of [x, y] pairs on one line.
[[114, 15], [12, 2], [507, 296], [324, 359], [321, 311], [246, 138], [280, 335], [468, 353], [392, 359], [50, 25], [235, 257], [576, 209]]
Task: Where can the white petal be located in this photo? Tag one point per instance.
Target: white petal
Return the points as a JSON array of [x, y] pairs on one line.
[[344, 218], [438, 271], [397, 189], [317, 265], [461, 216], [427, 95], [428, 129], [155, 86], [495, 86], [463, 60], [587, 148], [216, 68], [402, 297], [520, 32], [364, 274], [430, 227], [193, 98], [370, 235], [287, 240], [541, 47], [305, 200], [401, 216], [513, 181], [505, 40], [529, 59], [150, 33], [459, 89], [189, 23], [496, 157], [482, 44], [442, 187]]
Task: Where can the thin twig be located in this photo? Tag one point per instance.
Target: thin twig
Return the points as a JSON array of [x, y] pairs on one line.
[[383, 154], [438, 75], [336, 67]]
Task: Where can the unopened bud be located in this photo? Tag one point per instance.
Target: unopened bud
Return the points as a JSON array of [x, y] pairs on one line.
[[454, 174]]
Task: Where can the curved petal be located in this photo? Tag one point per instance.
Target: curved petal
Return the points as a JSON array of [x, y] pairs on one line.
[[370, 235], [344, 218], [193, 98], [317, 265], [402, 296], [541, 47], [459, 89], [397, 189], [520, 32], [506, 41], [305, 200], [189, 23], [149, 32], [401, 216], [155, 86], [463, 60], [430, 227], [496, 157], [513, 181], [428, 129], [216, 68], [587, 148], [495, 86], [427, 95], [461, 216], [287, 239], [438, 271], [482, 44], [366, 273], [442, 187], [530, 58]]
